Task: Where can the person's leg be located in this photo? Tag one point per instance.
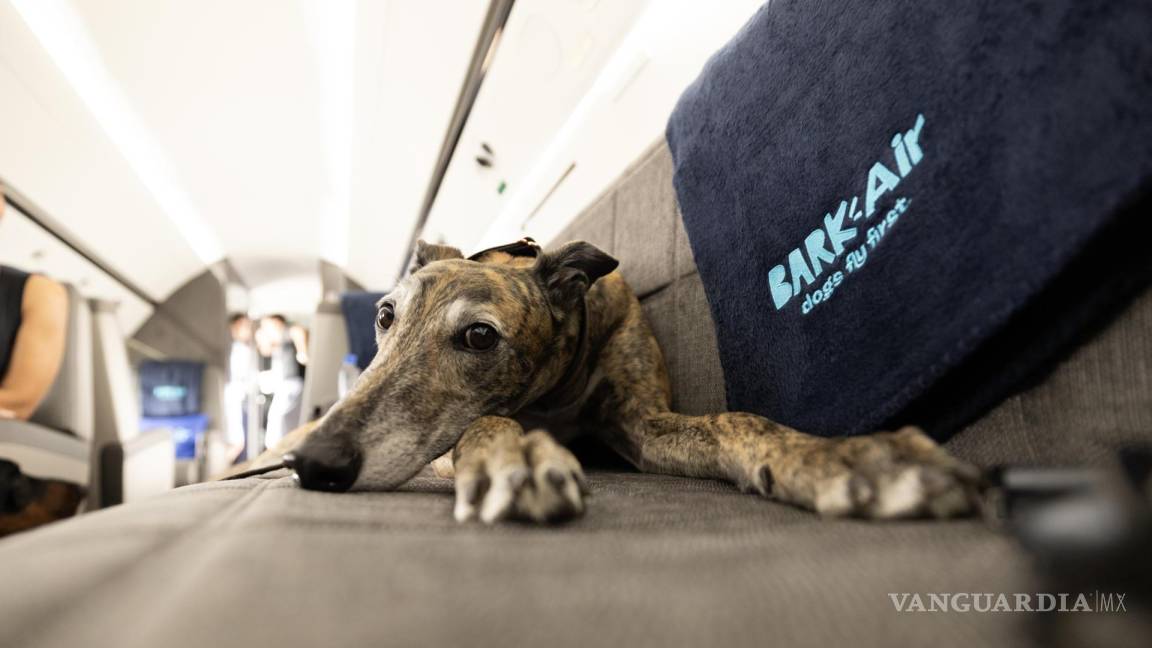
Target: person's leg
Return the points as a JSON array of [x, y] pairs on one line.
[[234, 394], [284, 411]]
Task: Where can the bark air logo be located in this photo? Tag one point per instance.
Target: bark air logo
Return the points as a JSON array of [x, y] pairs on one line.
[[825, 245]]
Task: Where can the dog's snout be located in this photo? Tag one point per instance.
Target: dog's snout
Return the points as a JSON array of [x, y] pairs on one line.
[[325, 466]]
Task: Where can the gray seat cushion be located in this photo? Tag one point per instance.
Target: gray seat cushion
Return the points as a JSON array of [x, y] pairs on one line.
[[657, 561]]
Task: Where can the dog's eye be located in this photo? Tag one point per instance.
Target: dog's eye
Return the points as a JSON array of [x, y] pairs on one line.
[[480, 337], [386, 316]]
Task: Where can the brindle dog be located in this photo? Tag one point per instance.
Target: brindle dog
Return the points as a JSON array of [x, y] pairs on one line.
[[472, 353]]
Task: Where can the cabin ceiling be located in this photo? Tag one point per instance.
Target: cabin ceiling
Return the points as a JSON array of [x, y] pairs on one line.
[[273, 133]]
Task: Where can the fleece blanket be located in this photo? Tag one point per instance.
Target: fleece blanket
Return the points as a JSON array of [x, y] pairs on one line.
[[903, 210]]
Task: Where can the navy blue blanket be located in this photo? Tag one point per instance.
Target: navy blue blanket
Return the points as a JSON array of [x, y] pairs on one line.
[[902, 210]]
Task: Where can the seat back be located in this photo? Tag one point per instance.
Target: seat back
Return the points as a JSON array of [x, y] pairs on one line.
[[128, 464], [327, 346], [359, 308], [116, 407], [68, 405]]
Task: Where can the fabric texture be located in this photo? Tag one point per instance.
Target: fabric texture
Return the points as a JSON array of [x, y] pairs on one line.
[[874, 190], [638, 222], [660, 561]]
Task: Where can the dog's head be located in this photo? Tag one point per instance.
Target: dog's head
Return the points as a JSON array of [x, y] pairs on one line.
[[457, 340]]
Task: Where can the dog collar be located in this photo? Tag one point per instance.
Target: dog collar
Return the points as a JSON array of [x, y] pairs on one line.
[[525, 247]]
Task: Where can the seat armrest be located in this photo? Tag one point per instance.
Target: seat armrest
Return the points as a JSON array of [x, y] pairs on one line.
[[140, 467], [145, 440], [44, 452]]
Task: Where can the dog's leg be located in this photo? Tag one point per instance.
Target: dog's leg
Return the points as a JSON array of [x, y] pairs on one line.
[[502, 472], [884, 475]]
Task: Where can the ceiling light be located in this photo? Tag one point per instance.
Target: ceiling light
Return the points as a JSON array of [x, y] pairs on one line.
[[332, 28]]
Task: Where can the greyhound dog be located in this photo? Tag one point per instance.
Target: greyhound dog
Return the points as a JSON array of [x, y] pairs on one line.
[[500, 358]]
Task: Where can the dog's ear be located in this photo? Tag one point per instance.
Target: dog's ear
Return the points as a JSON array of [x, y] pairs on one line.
[[568, 272], [428, 252]]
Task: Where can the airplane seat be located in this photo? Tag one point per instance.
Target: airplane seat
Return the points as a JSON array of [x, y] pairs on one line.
[[129, 464], [215, 451], [327, 346], [56, 442], [359, 308]]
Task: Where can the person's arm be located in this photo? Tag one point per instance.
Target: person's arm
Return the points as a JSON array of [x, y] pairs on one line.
[[39, 347]]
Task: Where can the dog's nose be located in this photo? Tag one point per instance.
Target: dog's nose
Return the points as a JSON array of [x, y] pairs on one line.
[[327, 466]]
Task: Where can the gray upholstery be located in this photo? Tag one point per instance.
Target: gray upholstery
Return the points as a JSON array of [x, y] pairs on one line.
[[131, 464], [327, 346], [45, 452], [1099, 399], [657, 560], [213, 454], [637, 221]]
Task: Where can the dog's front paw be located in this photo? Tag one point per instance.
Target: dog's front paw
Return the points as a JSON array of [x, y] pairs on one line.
[[529, 478], [888, 475]]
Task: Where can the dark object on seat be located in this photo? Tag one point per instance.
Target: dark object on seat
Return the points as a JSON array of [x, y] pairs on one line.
[[170, 387], [27, 502], [1091, 525], [359, 310], [1088, 531], [875, 191], [15, 489]]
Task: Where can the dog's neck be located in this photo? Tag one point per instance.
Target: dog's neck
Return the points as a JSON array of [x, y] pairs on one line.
[[570, 387], [549, 397]]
